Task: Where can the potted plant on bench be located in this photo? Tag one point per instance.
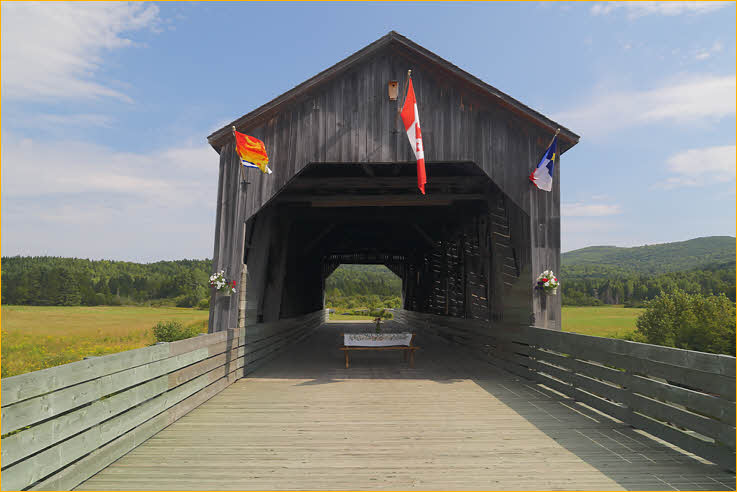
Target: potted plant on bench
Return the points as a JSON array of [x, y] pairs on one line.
[[377, 320]]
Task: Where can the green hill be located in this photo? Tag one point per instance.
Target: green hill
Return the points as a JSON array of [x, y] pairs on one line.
[[630, 276], [699, 253]]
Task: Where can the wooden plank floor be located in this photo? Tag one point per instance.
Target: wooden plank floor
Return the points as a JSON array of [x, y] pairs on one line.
[[305, 422]]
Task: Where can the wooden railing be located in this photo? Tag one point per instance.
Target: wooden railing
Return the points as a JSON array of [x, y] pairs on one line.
[[264, 341], [684, 397], [62, 425]]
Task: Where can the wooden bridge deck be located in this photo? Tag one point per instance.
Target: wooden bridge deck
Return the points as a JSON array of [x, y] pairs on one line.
[[305, 422]]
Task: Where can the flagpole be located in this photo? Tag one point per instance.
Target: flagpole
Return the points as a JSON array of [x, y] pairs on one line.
[[551, 140], [404, 91]]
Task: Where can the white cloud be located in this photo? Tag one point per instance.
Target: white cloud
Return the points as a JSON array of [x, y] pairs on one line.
[[689, 100], [706, 53], [698, 167], [54, 49], [170, 175], [81, 199], [583, 209], [640, 9]]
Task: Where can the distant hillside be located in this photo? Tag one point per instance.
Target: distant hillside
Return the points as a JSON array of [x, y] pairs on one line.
[[699, 253]]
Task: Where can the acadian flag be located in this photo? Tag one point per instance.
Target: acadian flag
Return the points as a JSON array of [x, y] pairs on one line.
[[542, 177], [252, 152], [411, 120]]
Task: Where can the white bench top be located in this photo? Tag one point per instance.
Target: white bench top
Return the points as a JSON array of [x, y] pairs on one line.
[[376, 339]]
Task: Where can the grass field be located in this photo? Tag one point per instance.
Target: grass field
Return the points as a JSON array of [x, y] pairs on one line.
[[37, 337], [600, 321]]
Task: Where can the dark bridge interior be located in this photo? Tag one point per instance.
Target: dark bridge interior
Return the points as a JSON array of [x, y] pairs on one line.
[[459, 250]]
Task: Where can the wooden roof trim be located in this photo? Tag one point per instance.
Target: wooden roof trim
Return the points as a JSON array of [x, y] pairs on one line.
[[216, 139]]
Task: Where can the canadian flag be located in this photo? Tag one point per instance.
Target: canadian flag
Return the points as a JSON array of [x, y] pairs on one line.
[[411, 120]]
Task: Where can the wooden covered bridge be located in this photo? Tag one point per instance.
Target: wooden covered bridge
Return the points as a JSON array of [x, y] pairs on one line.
[[499, 398]]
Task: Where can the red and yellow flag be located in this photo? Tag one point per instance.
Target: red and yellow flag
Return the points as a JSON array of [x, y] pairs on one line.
[[252, 152]]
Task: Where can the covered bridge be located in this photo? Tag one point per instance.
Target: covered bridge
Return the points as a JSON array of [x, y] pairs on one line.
[[500, 398], [344, 191]]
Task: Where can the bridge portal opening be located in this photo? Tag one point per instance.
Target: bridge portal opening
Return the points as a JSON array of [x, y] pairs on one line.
[[461, 250], [362, 289]]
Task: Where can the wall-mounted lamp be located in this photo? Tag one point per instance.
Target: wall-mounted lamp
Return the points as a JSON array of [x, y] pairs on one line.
[[393, 90]]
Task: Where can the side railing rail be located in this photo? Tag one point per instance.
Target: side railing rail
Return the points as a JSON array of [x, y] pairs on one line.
[[683, 397], [62, 425]]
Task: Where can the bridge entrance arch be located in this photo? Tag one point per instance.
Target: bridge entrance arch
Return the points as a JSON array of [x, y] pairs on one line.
[[452, 248]]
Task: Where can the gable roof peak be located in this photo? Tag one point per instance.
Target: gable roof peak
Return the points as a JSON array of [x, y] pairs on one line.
[[216, 139]]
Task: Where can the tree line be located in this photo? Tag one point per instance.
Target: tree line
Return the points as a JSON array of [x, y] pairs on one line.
[[363, 286], [56, 281], [591, 285]]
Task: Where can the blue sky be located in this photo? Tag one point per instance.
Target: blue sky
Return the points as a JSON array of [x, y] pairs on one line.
[[105, 109]]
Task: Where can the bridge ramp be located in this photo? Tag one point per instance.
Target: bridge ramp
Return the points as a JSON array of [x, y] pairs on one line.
[[451, 423]]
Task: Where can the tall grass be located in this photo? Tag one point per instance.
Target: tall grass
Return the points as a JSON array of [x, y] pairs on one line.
[[37, 337]]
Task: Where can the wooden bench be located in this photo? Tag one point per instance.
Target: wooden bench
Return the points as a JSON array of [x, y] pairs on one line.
[[409, 351]]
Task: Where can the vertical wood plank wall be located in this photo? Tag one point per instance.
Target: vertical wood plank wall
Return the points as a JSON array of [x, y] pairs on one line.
[[229, 238], [350, 119]]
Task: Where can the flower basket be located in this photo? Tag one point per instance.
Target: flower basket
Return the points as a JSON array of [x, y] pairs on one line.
[[222, 284], [548, 283]]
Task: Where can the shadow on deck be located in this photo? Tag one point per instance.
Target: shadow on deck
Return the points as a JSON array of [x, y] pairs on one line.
[[453, 422]]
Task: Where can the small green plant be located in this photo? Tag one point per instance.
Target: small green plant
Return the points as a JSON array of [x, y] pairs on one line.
[[171, 331], [377, 320]]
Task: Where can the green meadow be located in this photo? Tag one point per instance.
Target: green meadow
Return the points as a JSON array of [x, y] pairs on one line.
[[37, 337], [602, 321]]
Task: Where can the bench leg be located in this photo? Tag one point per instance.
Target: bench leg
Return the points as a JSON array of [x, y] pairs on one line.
[[405, 355], [347, 360], [411, 358]]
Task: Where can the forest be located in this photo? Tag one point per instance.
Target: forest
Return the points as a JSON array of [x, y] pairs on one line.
[[56, 281], [614, 275], [353, 287], [589, 277], [596, 285]]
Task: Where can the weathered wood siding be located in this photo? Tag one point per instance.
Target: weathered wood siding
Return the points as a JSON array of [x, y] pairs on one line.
[[350, 119], [64, 424], [684, 397], [481, 272], [229, 237]]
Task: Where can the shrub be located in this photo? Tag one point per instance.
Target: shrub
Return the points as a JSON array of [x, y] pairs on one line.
[[689, 321], [204, 303], [171, 331]]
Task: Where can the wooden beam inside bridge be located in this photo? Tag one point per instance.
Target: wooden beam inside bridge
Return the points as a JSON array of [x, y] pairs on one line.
[[393, 200]]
